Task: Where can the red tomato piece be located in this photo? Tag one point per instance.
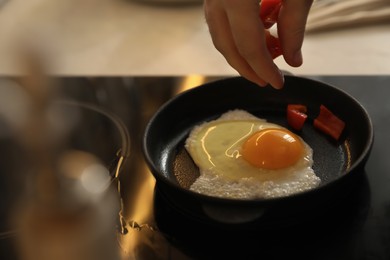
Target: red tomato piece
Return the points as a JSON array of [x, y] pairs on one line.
[[329, 123], [269, 12], [296, 116]]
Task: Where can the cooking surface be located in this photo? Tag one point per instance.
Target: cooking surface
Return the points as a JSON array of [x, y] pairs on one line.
[[357, 227]]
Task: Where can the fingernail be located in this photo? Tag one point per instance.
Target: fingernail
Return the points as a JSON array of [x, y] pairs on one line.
[[282, 77], [261, 84], [281, 83]]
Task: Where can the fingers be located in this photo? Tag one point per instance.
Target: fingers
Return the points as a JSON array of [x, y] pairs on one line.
[[249, 37], [238, 33], [291, 29], [223, 41]]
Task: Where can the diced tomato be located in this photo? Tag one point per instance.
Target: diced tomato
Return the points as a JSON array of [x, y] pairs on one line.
[[329, 123], [269, 12], [296, 116]]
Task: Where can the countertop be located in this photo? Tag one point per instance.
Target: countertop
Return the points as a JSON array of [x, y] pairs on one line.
[[125, 37]]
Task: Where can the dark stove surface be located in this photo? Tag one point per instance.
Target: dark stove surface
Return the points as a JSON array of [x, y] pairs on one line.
[[358, 227]]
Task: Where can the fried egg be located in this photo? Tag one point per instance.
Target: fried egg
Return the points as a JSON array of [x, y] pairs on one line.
[[242, 156]]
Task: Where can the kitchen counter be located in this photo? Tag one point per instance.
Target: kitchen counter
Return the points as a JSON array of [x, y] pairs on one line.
[[125, 37]]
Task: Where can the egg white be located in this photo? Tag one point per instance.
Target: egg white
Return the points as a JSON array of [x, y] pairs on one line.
[[215, 148]]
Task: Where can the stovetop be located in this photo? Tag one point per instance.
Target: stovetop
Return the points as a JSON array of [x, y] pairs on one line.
[[357, 227]]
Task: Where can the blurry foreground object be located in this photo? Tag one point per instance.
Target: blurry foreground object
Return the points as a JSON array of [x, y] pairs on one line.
[[333, 14], [68, 159]]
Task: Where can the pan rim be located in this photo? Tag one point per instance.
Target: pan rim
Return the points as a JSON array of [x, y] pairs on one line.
[[358, 162]]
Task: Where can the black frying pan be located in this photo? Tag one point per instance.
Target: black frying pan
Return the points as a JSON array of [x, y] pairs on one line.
[[335, 162]]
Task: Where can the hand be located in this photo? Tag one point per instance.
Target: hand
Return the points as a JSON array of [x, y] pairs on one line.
[[239, 34]]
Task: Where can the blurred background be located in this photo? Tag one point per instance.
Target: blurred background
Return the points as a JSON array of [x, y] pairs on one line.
[[170, 37]]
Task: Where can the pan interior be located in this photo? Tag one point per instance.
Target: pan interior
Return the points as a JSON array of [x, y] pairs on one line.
[[168, 129]]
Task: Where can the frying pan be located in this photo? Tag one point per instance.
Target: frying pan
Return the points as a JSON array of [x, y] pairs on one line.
[[337, 163]]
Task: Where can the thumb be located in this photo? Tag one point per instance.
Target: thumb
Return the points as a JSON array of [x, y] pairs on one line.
[[291, 29]]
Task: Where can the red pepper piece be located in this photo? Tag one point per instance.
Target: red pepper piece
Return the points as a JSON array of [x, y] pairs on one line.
[[269, 12], [329, 123], [273, 45], [296, 116]]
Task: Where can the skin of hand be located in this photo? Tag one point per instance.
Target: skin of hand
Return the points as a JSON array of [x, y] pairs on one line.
[[238, 34]]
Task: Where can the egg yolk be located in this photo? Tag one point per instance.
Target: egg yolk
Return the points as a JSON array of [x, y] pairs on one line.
[[272, 149]]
